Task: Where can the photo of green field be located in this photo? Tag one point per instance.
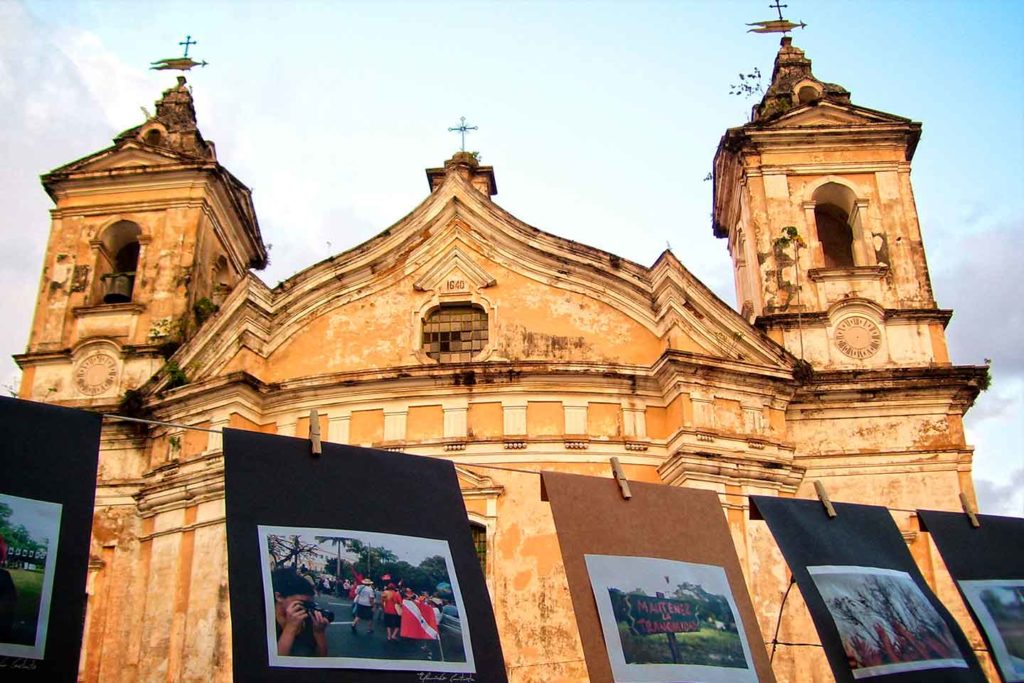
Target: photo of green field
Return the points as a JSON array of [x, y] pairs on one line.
[[715, 642], [29, 585], [705, 648], [667, 620], [28, 543]]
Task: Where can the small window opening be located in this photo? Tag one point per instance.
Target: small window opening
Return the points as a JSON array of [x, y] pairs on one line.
[[807, 94], [479, 533], [455, 333], [153, 137], [221, 280]]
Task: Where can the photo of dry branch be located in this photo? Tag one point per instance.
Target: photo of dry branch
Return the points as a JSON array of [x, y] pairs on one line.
[[886, 623]]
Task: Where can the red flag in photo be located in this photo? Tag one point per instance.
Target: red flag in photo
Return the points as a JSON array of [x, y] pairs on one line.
[[418, 621]]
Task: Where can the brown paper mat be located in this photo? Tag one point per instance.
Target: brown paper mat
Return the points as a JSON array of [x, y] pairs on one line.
[[592, 517]]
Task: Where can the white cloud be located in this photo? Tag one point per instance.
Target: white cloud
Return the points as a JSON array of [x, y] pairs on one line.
[[1002, 498], [117, 88]]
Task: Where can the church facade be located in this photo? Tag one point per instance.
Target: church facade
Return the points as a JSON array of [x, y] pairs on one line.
[[463, 333]]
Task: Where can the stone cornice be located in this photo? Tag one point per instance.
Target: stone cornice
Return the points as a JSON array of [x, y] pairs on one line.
[[229, 198], [821, 318], [684, 467], [959, 386]]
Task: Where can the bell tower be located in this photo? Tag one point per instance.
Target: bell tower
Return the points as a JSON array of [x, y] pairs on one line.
[[147, 237], [815, 199]]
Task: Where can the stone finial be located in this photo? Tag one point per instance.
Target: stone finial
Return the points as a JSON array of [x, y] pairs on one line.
[[467, 166], [793, 84], [176, 109], [174, 126]]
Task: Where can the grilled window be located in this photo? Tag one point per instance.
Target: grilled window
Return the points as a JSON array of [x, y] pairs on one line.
[[454, 334]]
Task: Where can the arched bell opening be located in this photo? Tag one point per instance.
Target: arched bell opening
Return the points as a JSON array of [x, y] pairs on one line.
[[833, 206], [118, 262]]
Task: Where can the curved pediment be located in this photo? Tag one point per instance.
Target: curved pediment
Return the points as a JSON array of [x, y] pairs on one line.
[[543, 299]]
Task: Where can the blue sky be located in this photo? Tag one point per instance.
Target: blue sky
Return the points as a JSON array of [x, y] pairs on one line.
[[600, 118]]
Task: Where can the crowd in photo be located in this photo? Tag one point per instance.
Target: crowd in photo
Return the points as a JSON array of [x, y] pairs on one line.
[[387, 609]]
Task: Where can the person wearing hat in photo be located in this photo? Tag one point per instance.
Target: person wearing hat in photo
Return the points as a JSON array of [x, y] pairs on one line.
[[364, 604], [392, 604]]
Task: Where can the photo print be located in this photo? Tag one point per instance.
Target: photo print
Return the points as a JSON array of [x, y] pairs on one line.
[[998, 606], [29, 533], [47, 489], [666, 620], [874, 613], [885, 622], [987, 564], [342, 598]]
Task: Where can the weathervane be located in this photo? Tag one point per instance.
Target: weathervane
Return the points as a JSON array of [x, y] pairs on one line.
[[183, 63], [779, 25], [462, 129]]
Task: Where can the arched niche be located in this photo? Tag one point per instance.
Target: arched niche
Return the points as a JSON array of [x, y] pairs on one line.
[[223, 280], [117, 262]]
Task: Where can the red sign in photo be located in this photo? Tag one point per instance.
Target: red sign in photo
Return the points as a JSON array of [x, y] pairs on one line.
[[649, 615]]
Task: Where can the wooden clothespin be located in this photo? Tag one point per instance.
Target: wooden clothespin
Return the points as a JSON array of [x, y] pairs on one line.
[[620, 477], [823, 497], [972, 515], [314, 432]]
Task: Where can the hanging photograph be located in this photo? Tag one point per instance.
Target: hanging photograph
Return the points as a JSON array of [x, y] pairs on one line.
[[665, 620], [656, 586], [352, 566], [885, 622], [29, 532], [338, 598], [999, 608], [47, 489], [875, 615], [987, 563]]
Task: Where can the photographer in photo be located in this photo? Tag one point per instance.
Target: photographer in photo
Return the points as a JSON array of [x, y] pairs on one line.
[[301, 625]]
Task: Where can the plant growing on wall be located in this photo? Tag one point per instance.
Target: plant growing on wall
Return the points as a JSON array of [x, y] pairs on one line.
[[749, 85], [790, 237], [203, 309], [176, 376]]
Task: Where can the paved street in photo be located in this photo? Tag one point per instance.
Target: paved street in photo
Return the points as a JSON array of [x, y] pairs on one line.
[[341, 642]]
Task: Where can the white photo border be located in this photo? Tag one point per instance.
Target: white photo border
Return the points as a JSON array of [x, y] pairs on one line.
[[276, 660], [972, 592], [884, 669], [38, 649], [603, 569]]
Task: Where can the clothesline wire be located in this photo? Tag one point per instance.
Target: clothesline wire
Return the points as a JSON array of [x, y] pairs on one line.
[[162, 424], [517, 470]]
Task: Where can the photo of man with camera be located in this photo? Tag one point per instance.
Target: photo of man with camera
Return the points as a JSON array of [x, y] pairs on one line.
[[301, 625]]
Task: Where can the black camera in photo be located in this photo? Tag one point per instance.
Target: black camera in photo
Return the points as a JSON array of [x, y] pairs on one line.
[[344, 598]]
